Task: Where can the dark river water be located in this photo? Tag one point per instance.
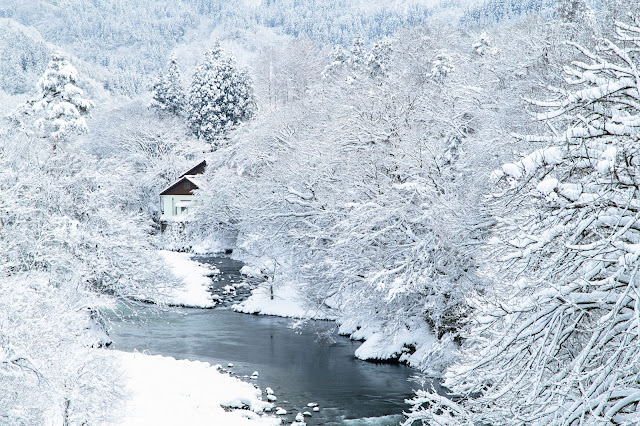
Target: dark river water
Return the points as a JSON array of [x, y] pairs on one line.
[[303, 364]]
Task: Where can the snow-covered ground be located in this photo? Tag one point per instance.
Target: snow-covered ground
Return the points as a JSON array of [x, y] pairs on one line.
[[193, 274], [166, 391], [382, 344], [286, 302]]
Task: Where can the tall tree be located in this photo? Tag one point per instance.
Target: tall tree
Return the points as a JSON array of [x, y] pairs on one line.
[[60, 108], [556, 340], [220, 96], [168, 93]]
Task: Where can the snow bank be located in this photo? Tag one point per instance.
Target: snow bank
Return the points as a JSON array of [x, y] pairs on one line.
[[414, 344], [195, 292], [166, 391], [251, 271], [217, 242], [286, 302]]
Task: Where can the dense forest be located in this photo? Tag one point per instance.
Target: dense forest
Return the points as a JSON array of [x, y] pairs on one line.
[[453, 181]]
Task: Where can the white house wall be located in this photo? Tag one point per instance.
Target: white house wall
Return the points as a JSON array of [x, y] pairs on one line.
[[169, 202]]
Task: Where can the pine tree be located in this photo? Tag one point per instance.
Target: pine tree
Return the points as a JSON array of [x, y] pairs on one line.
[[338, 60], [60, 108], [379, 60], [220, 97], [571, 11], [168, 93], [358, 51]]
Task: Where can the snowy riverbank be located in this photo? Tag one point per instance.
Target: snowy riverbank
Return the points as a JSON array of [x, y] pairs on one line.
[[195, 277], [413, 344], [165, 391], [286, 302]]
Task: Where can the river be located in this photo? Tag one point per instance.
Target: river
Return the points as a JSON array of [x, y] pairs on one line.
[[301, 363]]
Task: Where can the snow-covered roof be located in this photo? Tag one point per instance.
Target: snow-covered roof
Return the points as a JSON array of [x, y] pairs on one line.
[[194, 181], [191, 171]]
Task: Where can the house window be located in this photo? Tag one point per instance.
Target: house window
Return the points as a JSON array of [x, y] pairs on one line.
[[187, 185]]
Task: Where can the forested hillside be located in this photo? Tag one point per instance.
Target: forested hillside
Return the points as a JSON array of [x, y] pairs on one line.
[[456, 183]]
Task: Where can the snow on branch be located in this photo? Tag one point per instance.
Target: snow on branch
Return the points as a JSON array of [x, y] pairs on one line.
[[557, 339]]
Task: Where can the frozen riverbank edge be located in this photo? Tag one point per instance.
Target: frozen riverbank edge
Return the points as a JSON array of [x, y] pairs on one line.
[[165, 391], [191, 382], [414, 344]]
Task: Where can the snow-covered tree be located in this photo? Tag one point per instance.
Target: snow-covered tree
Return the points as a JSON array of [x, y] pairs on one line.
[[60, 108], [168, 93], [360, 195], [378, 61], [483, 45], [571, 10], [337, 63], [220, 96], [555, 341], [70, 246]]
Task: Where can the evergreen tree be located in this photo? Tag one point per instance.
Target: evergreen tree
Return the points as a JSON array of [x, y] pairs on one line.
[[358, 52], [220, 97], [60, 108], [337, 65], [168, 93], [572, 11], [379, 60]]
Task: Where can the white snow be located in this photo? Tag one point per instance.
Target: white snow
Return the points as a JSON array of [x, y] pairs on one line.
[[166, 391], [251, 271], [607, 161], [286, 302], [547, 186], [193, 275], [512, 170], [532, 162], [382, 344]]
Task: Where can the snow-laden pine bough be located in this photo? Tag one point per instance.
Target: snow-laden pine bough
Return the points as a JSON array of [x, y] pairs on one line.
[[556, 340]]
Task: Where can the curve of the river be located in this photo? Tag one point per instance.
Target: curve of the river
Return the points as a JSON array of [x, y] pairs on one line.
[[303, 364]]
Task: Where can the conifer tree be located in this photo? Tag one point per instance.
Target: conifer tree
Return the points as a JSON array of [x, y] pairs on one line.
[[168, 93], [60, 108], [220, 97]]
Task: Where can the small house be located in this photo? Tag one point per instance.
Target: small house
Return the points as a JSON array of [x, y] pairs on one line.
[[177, 197]]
